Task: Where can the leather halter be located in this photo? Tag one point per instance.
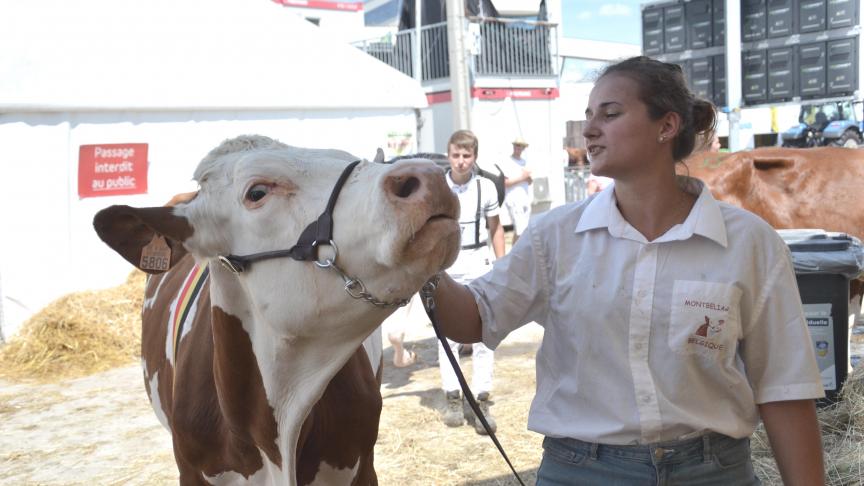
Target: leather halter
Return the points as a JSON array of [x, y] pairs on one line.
[[318, 233], [306, 249]]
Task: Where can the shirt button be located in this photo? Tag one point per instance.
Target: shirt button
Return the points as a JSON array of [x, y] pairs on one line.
[[637, 346], [646, 398]]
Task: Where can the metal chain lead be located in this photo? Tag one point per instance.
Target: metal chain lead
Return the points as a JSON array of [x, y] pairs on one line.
[[357, 289], [427, 291]]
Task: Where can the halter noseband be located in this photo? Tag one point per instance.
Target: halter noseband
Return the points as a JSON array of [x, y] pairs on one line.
[[318, 233]]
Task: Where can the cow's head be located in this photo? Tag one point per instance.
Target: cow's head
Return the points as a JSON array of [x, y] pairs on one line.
[[393, 225]]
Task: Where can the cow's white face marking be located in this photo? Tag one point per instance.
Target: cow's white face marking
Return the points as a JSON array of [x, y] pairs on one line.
[[329, 475]]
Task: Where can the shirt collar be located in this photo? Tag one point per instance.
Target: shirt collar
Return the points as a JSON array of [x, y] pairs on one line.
[[459, 188], [705, 218]]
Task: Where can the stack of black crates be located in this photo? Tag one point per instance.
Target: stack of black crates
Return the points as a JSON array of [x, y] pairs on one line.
[[791, 49]]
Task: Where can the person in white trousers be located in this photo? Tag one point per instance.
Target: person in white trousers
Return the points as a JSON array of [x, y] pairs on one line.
[[480, 226]]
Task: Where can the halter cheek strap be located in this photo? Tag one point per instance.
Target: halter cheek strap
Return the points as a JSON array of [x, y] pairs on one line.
[[306, 249], [318, 233]]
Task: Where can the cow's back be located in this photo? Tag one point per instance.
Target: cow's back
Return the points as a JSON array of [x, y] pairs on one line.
[[789, 188]]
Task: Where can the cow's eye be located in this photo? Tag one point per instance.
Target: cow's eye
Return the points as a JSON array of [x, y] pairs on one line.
[[257, 192]]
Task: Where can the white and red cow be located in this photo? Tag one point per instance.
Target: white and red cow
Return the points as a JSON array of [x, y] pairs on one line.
[[791, 188], [260, 375]]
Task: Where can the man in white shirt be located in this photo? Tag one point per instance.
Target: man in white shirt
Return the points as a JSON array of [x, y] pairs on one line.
[[517, 181], [478, 201]]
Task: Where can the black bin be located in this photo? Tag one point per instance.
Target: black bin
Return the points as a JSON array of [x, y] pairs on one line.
[[824, 263]]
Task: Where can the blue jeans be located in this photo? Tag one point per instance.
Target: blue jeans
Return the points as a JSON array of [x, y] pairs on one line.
[[712, 459]]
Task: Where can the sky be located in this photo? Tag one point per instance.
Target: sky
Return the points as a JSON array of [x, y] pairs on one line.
[[604, 20]]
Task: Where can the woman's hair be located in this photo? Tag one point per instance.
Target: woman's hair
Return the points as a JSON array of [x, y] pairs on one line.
[[663, 89], [464, 139]]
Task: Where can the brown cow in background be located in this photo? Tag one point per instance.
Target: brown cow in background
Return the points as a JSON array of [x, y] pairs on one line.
[[791, 188], [576, 157]]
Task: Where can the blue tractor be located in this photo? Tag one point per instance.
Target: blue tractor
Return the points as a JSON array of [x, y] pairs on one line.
[[834, 123]]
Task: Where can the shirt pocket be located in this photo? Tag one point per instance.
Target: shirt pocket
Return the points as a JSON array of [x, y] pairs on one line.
[[705, 319]]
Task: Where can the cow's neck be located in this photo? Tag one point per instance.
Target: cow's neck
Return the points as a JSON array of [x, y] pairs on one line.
[[268, 383]]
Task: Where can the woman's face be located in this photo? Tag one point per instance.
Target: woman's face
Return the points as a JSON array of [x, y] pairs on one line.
[[620, 136]]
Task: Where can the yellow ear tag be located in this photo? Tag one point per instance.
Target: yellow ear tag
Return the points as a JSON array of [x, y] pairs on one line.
[[156, 255]]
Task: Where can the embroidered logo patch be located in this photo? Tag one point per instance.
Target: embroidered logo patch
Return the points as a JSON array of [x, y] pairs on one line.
[[704, 318], [707, 330]]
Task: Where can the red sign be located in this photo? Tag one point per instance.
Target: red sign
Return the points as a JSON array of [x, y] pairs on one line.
[[323, 4], [112, 169], [498, 94], [515, 93]]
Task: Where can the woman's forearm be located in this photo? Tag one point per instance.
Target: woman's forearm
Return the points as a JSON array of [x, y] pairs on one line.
[[457, 312], [793, 430]]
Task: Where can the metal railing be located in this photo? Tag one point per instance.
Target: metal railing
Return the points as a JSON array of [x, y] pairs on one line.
[[576, 183], [397, 50], [509, 48], [500, 48]]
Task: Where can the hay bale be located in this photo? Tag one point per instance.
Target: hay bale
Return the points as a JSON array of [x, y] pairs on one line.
[[78, 334], [842, 439]]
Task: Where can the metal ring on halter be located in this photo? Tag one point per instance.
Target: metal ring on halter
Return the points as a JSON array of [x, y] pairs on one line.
[[351, 284], [229, 265], [328, 262]]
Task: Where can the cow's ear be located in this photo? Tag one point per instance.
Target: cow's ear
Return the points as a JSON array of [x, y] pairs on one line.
[[379, 156], [129, 230]]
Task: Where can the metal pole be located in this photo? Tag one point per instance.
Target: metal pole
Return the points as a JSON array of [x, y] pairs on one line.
[[733, 72], [416, 45], [461, 101]]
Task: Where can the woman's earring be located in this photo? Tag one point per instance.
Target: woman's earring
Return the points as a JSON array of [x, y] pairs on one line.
[[661, 139]]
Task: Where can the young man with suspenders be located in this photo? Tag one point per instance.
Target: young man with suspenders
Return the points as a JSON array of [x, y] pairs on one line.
[[478, 199]]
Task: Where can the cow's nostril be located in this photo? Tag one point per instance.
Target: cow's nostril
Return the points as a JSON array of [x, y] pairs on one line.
[[407, 187]]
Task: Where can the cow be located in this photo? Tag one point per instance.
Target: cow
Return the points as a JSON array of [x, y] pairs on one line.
[[251, 350], [791, 188], [577, 157]]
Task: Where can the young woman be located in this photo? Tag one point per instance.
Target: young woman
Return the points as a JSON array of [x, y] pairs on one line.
[[672, 322]]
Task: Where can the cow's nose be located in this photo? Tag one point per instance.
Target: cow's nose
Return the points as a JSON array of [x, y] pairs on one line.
[[408, 180]]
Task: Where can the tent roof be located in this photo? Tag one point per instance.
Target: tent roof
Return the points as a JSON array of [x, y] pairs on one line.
[[188, 54]]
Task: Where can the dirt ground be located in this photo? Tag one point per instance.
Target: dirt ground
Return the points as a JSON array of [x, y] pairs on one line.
[[101, 429]]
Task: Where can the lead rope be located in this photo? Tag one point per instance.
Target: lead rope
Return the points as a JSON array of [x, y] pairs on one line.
[[426, 293]]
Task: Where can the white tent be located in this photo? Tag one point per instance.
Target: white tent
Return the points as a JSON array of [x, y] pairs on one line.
[[190, 54], [180, 76]]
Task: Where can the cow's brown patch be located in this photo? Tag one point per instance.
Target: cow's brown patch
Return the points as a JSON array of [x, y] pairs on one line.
[[222, 431], [154, 330], [340, 434], [241, 388]]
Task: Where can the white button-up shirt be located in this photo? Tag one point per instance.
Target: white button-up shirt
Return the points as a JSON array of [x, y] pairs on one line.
[[651, 341]]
